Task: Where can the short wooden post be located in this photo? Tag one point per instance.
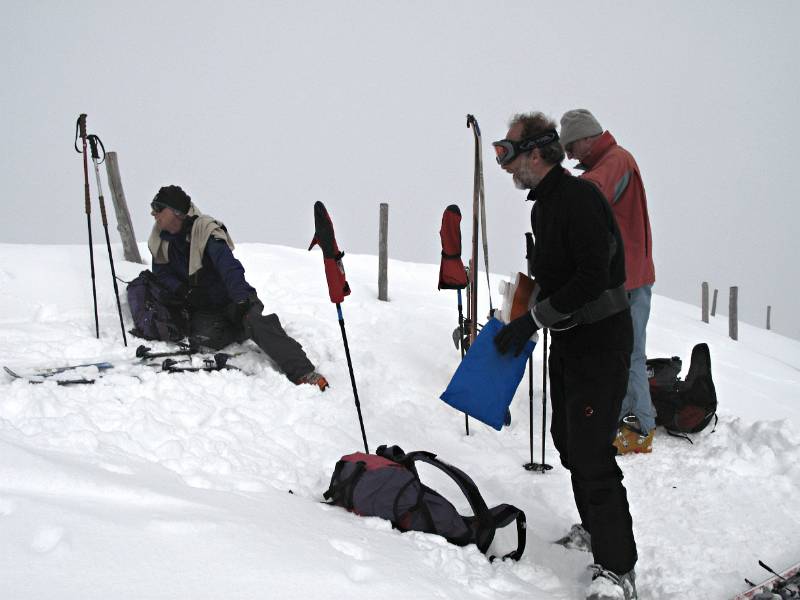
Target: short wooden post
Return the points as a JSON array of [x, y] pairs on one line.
[[714, 303], [769, 314], [704, 302], [124, 225], [383, 253], [733, 313]]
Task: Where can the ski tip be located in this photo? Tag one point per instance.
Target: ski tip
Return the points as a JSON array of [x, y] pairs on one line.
[[12, 373]]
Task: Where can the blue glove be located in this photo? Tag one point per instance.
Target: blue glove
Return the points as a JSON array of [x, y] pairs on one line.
[[515, 335]]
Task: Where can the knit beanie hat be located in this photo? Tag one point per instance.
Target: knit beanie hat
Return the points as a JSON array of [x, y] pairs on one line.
[[172, 196], [578, 124]]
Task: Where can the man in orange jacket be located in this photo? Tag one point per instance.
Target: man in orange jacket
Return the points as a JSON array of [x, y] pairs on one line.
[[613, 169]]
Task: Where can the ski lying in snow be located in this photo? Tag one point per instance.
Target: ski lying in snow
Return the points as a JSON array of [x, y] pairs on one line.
[[785, 584], [42, 379], [45, 373], [101, 366], [219, 362]]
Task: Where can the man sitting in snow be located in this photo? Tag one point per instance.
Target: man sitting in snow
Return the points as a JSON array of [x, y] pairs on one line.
[[192, 256]]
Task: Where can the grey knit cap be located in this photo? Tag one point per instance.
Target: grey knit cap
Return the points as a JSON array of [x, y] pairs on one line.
[[578, 124]]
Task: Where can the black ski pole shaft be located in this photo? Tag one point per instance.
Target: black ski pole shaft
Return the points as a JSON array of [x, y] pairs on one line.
[[80, 130], [461, 345], [530, 402], [94, 142], [544, 398], [352, 376], [541, 467]]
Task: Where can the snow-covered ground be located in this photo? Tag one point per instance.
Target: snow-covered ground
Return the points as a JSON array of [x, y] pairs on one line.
[[208, 485]]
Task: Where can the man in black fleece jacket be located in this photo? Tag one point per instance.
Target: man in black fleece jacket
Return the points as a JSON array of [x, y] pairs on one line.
[[579, 264]]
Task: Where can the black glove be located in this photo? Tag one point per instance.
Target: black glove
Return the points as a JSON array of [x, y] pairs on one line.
[[194, 297], [515, 335], [237, 312]]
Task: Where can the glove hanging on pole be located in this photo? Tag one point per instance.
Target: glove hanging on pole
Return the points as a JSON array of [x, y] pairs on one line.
[[337, 287], [96, 145], [80, 131], [452, 274]]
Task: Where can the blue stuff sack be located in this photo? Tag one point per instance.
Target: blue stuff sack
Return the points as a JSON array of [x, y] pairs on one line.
[[485, 381]]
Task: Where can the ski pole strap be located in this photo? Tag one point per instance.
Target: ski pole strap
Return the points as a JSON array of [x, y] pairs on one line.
[[94, 142]]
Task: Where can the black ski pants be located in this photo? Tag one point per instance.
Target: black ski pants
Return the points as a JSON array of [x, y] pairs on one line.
[[586, 394], [215, 329]]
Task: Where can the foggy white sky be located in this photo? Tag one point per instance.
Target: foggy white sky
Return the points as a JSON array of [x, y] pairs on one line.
[[260, 108]]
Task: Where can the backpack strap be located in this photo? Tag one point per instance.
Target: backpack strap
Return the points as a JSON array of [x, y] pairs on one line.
[[503, 514], [680, 434], [340, 491], [485, 522], [482, 523]]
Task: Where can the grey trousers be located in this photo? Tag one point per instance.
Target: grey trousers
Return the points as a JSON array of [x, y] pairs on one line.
[[214, 329]]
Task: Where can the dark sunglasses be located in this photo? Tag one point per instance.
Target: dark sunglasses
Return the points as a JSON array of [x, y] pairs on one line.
[[157, 206], [508, 150]]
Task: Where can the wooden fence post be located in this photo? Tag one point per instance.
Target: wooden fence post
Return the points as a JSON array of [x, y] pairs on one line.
[[714, 303], [124, 225], [733, 313], [383, 253], [769, 314], [704, 302]]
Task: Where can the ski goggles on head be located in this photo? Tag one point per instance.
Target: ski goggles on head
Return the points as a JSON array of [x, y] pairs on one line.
[[157, 206], [508, 150]]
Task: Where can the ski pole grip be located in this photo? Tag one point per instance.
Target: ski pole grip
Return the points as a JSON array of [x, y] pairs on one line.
[[82, 125], [93, 145]]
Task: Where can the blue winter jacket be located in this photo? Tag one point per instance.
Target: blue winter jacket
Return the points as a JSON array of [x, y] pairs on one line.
[[221, 279]]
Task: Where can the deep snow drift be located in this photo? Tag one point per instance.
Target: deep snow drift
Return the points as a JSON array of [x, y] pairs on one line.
[[149, 485]]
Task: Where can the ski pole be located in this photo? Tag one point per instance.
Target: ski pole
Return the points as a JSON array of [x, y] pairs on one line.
[[461, 345], [545, 466], [530, 404], [530, 251], [352, 376], [94, 142], [80, 130], [542, 466]]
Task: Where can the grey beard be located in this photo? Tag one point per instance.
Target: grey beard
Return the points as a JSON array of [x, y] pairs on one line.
[[526, 180]]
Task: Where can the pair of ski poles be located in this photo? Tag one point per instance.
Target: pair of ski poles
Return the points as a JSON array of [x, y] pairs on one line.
[[96, 145]]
